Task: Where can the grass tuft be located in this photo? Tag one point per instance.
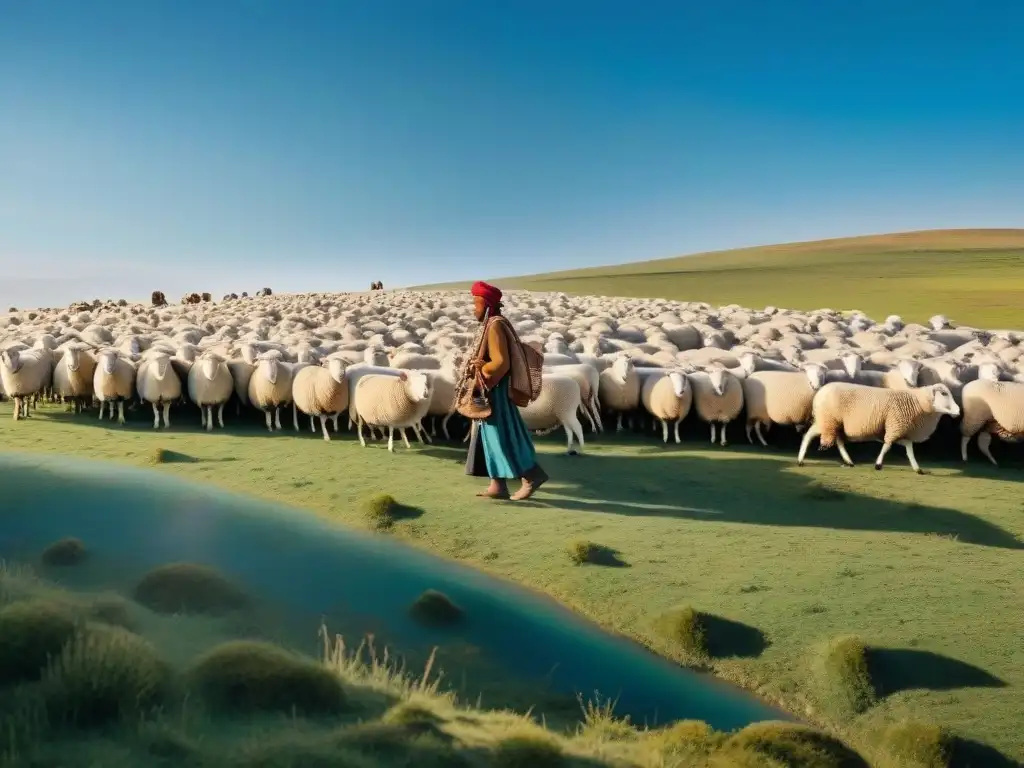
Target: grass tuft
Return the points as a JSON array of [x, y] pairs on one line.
[[112, 609], [379, 510], [65, 552], [436, 608], [587, 552], [844, 677], [788, 744], [189, 588], [684, 628], [31, 631]]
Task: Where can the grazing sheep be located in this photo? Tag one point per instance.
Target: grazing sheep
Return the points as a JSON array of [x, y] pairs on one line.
[[781, 397], [991, 408], [859, 413], [717, 398], [73, 375], [270, 386], [113, 381], [210, 384], [668, 398], [556, 405], [620, 388], [321, 391], [396, 402], [157, 384], [24, 373]]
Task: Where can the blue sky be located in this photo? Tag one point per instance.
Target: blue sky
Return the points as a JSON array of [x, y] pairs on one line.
[[227, 144]]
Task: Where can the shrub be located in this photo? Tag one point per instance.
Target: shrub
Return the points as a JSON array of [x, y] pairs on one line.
[[103, 674], [254, 676], [788, 744], [684, 628], [66, 551], [687, 737], [189, 588], [112, 609], [380, 511], [31, 632], [843, 676], [917, 745], [581, 552], [433, 607]]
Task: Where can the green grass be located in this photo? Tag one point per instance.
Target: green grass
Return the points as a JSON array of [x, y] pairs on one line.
[[975, 277], [926, 570]]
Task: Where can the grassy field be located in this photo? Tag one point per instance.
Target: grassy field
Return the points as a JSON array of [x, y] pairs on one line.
[[924, 570], [976, 277]]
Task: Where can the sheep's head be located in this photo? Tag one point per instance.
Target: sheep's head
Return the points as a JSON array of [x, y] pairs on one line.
[[718, 380], [679, 383], [268, 364], [851, 364], [160, 362], [248, 353], [939, 322], [417, 384], [72, 357], [909, 370], [11, 359], [621, 367], [815, 373], [989, 372], [748, 362], [209, 364], [894, 322], [943, 402], [107, 360], [336, 367], [376, 355]]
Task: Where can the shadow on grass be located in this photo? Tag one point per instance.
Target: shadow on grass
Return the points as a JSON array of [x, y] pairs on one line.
[[726, 638], [904, 669], [588, 553]]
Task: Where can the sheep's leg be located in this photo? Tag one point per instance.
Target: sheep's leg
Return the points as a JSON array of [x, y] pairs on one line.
[[120, 411], [102, 403], [723, 442], [433, 426], [593, 426], [841, 445], [757, 431], [405, 439], [714, 433], [209, 417], [335, 419], [881, 454], [323, 425], [295, 416], [270, 420], [312, 423], [619, 427], [277, 418], [444, 426], [812, 432], [202, 416], [676, 429], [963, 447], [421, 433], [577, 428], [167, 415], [596, 412], [984, 441], [391, 439], [750, 429], [362, 440], [568, 437], [220, 415], [664, 430], [17, 408], [909, 445], [156, 416]]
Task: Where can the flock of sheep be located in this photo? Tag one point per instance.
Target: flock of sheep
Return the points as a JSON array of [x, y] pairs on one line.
[[391, 360]]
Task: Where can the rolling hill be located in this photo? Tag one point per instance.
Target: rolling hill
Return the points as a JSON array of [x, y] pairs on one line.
[[975, 276]]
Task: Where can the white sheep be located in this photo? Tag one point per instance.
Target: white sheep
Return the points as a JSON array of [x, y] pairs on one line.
[[396, 402], [24, 373], [158, 384], [781, 397], [859, 413], [556, 405], [73, 374], [991, 407], [270, 386], [321, 391], [241, 371], [113, 381], [620, 388], [442, 393], [210, 384], [717, 398], [668, 398], [589, 380]]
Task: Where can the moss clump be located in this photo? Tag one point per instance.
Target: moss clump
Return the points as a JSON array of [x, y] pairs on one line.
[[254, 676], [685, 628], [65, 552], [687, 737], [843, 676], [112, 609], [433, 607], [380, 511], [529, 750], [917, 745], [103, 674], [189, 588], [581, 552], [787, 744], [31, 632]]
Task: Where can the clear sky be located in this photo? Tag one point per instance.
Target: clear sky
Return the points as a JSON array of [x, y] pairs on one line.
[[224, 145]]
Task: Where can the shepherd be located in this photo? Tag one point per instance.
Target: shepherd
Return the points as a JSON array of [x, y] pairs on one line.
[[501, 447]]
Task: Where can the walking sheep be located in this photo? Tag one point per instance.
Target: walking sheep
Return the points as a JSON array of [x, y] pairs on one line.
[[859, 413], [209, 385], [158, 384], [668, 398], [73, 375], [556, 405], [396, 402], [113, 381], [24, 373], [589, 379], [781, 397], [620, 388], [717, 398], [321, 391], [991, 408], [270, 386]]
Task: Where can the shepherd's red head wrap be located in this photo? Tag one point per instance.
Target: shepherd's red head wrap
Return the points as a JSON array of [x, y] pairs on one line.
[[487, 292]]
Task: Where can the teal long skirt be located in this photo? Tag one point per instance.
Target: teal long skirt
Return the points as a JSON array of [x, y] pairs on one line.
[[502, 446]]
